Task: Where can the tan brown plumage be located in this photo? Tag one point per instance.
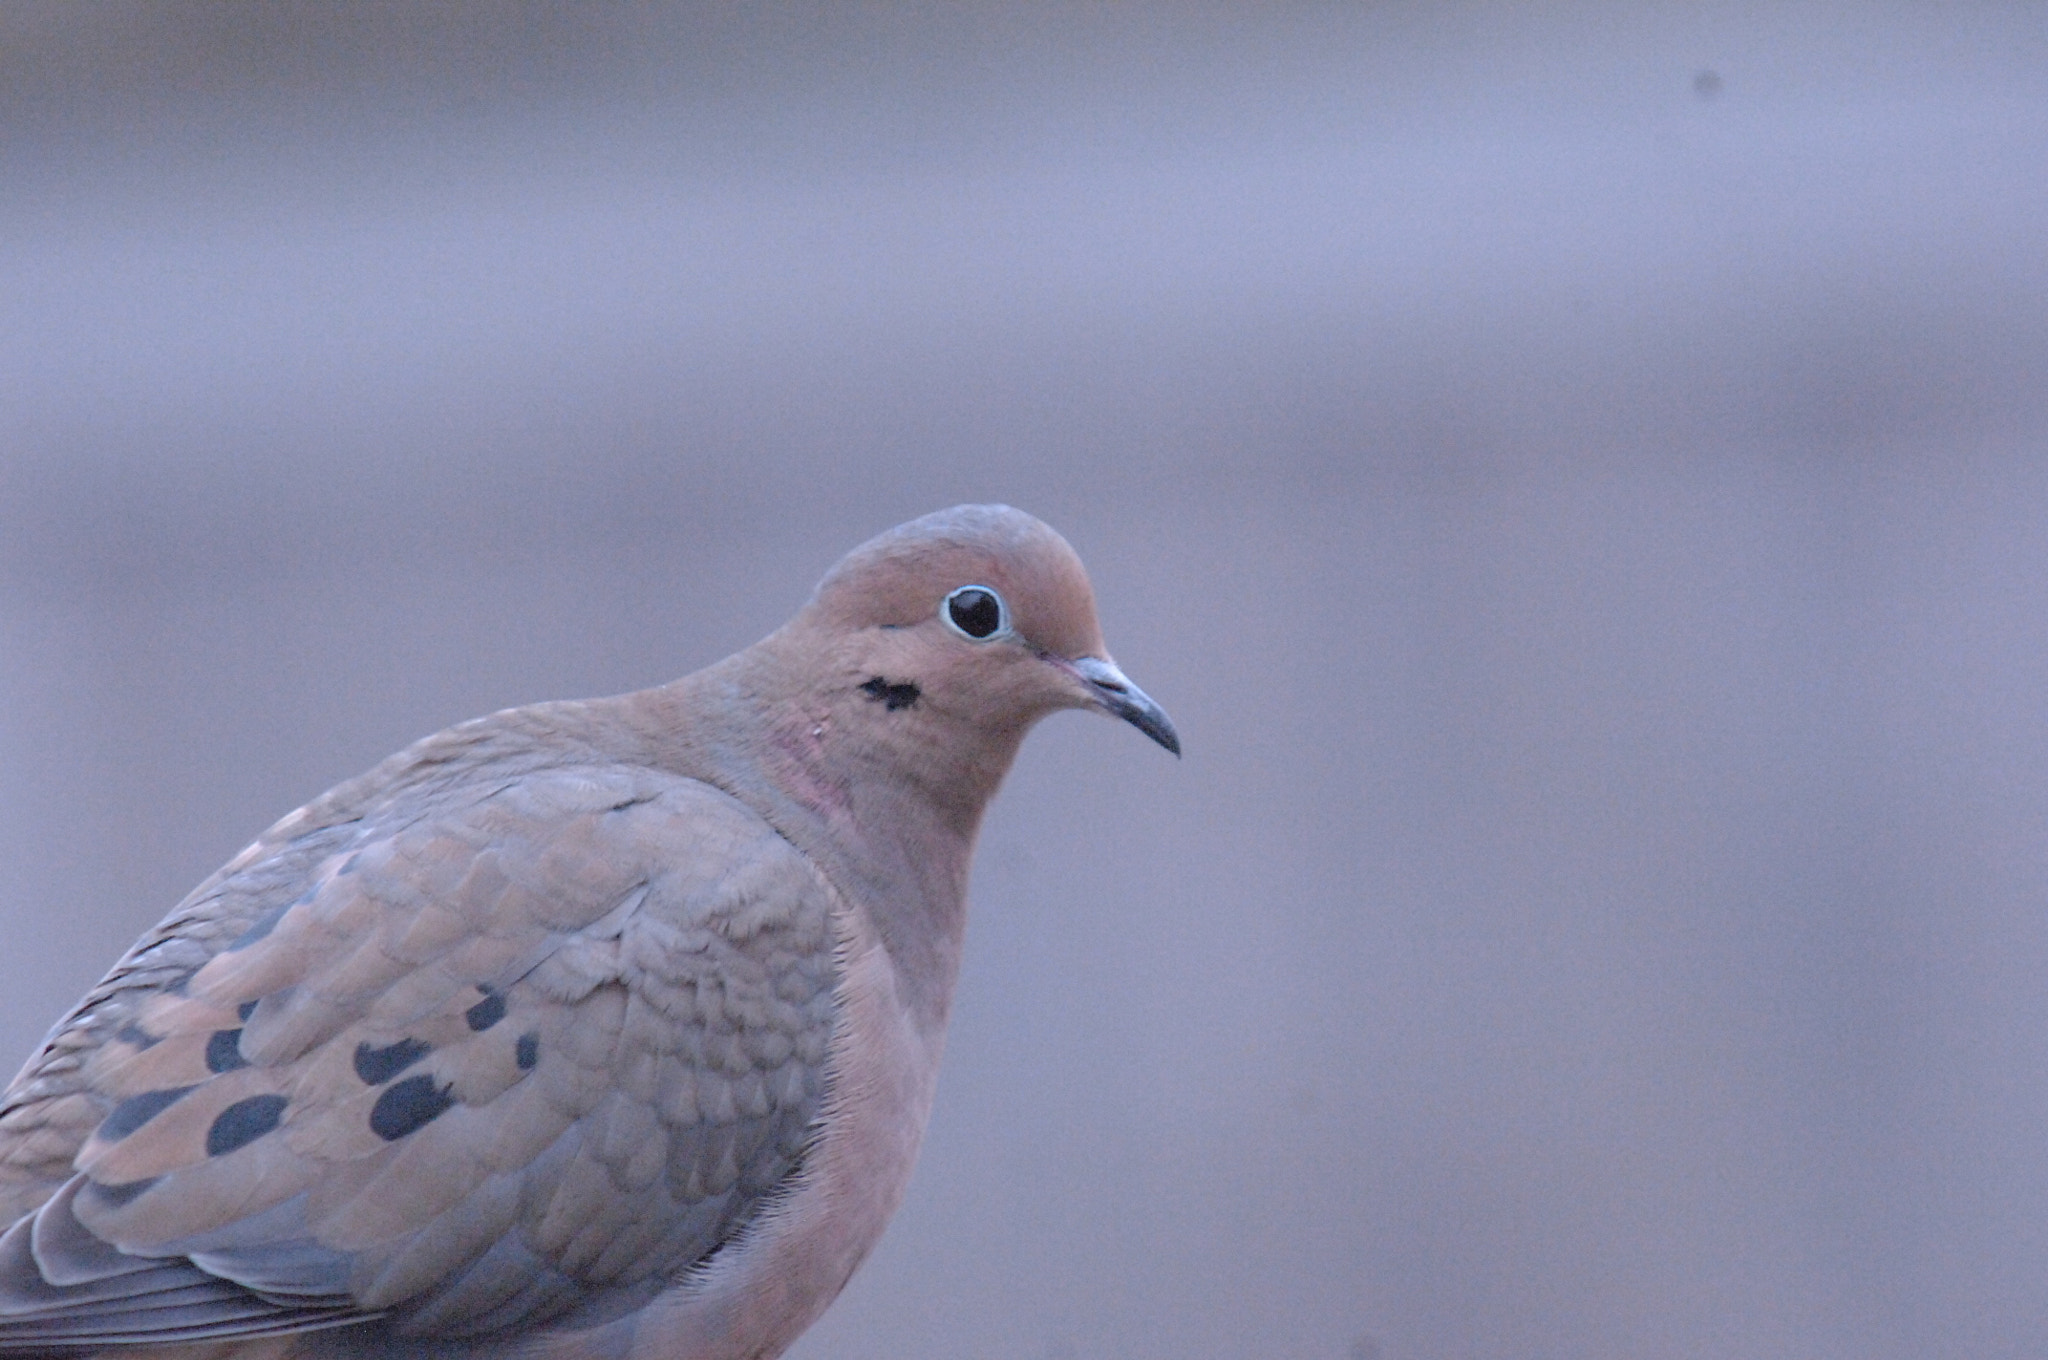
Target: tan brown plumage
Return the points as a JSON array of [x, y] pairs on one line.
[[604, 1027]]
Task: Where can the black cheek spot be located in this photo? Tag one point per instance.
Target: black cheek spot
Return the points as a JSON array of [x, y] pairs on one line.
[[528, 1051], [379, 1065], [892, 697], [224, 1051], [243, 1123], [409, 1105], [132, 1113], [245, 1010], [486, 1012]]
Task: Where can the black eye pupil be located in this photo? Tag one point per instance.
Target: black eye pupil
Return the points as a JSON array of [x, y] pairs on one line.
[[977, 613]]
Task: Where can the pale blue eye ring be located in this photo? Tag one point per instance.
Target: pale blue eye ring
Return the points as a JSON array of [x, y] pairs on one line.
[[976, 613]]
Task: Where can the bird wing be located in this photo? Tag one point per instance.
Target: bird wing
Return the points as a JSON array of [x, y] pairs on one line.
[[467, 1061]]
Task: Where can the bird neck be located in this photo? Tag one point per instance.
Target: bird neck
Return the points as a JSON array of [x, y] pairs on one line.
[[890, 819]]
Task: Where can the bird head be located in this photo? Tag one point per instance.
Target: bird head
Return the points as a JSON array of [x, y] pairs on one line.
[[980, 616]]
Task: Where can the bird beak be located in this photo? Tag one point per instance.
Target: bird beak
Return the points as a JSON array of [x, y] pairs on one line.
[[1113, 690]]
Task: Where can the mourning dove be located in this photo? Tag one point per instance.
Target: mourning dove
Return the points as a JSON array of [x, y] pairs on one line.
[[603, 1028]]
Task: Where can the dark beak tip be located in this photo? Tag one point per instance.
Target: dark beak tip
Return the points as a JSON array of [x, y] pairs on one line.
[[1116, 695], [1156, 725]]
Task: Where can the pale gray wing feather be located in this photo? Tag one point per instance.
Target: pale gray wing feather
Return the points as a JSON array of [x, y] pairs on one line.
[[466, 1061]]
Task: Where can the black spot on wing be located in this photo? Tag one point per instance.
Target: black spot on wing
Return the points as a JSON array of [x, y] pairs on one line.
[[260, 927], [132, 1113], [114, 1196], [486, 1012], [379, 1065], [224, 1051], [243, 1123], [527, 1052], [245, 1010], [409, 1105], [132, 1033], [900, 695]]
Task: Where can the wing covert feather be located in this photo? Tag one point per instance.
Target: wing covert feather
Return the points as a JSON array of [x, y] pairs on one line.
[[468, 1060]]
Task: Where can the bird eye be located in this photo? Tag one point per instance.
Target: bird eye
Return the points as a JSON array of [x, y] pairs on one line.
[[975, 612]]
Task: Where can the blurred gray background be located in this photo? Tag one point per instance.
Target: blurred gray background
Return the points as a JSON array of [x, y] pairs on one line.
[[1577, 474]]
